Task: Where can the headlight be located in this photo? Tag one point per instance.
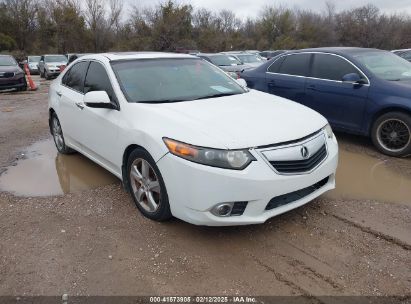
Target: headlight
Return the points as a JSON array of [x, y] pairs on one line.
[[328, 131], [227, 159]]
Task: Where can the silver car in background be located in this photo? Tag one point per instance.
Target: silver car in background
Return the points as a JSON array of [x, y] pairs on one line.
[[51, 65], [229, 64], [251, 59]]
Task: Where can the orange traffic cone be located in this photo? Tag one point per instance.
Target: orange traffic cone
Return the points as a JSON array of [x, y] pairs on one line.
[[32, 85]]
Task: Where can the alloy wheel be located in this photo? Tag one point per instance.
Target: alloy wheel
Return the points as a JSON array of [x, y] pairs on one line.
[[58, 134], [145, 185], [393, 134]]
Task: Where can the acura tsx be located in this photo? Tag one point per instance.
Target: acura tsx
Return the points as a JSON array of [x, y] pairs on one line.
[[189, 141]]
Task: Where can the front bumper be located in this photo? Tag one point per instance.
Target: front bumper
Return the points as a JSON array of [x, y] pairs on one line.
[[53, 72], [15, 82], [194, 189]]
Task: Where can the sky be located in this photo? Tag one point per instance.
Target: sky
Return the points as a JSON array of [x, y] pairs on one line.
[[251, 8]]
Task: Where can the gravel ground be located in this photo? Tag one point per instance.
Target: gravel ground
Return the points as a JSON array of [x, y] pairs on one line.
[[96, 243]]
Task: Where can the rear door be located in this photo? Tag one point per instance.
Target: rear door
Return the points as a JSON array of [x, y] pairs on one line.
[[286, 77], [343, 104], [71, 94]]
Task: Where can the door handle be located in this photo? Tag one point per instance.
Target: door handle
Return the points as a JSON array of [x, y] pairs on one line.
[[312, 88], [80, 105], [59, 93], [271, 83]]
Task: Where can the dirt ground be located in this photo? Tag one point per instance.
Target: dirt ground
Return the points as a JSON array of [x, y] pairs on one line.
[[95, 242]]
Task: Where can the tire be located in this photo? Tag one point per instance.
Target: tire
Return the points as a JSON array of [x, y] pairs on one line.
[[46, 75], [391, 134], [24, 87], [58, 137], [146, 186]]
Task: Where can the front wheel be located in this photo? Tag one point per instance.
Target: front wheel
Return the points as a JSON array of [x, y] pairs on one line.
[[147, 187], [391, 134]]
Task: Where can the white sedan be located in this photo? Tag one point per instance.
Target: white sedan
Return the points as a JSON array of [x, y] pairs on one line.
[[189, 141]]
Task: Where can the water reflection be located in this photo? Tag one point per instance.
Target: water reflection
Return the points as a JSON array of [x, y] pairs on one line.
[[45, 172]]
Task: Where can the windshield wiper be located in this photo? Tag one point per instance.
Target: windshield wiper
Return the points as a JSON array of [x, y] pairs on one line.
[[160, 101], [216, 95]]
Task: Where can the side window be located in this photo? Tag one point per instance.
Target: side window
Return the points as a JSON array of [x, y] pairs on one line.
[[74, 78], [331, 67], [97, 80], [274, 68], [297, 64]]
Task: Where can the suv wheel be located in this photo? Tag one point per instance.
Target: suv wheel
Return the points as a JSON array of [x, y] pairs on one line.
[[146, 186], [58, 137], [391, 134]]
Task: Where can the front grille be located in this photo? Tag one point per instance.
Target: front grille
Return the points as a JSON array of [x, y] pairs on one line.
[[7, 75], [298, 166], [238, 208], [295, 196]]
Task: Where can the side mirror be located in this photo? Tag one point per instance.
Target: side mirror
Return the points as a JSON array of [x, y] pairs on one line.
[[353, 78], [242, 82], [98, 99]]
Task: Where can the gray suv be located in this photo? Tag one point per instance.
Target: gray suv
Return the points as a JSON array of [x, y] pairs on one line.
[[51, 65]]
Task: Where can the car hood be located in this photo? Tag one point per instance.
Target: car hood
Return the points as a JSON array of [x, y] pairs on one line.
[[9, 68], [240, 121], [56, 63]]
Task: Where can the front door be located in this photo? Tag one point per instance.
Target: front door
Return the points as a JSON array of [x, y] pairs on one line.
[[343, 104]]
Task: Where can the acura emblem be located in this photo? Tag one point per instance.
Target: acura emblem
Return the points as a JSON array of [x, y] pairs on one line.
[[304, 152]]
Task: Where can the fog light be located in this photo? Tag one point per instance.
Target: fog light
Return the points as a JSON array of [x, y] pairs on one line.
[[222, 209]]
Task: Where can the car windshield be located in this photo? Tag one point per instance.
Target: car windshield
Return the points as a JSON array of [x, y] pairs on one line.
[[55, 58], [224, 60], [33, 58], [386, 65], [250, 58], [172, 80], [7, 61]]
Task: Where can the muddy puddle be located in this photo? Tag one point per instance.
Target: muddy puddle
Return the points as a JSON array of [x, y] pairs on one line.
[[362, 177], [43, 172]]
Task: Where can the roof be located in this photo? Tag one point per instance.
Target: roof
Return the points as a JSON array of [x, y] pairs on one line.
[[212, 54], [139, 55], [337, 50]]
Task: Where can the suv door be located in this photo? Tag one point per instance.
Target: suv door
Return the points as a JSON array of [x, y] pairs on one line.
[[287, 75], [71, 97], [343, 104], [100, 126]]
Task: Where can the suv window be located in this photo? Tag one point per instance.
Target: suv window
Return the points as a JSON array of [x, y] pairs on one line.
[[296, 64], [74, 78], [274, 68], [97, 80], [331, 67]]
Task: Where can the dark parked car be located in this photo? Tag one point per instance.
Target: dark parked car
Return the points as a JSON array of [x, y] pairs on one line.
[[11, 75], [361, 91], [227, 63], [271, 54]]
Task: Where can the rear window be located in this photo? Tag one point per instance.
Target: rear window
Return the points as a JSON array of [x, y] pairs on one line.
[[74, 78], [296, 64]]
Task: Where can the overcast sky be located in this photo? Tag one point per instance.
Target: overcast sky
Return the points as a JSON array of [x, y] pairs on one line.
[[251, 8]]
